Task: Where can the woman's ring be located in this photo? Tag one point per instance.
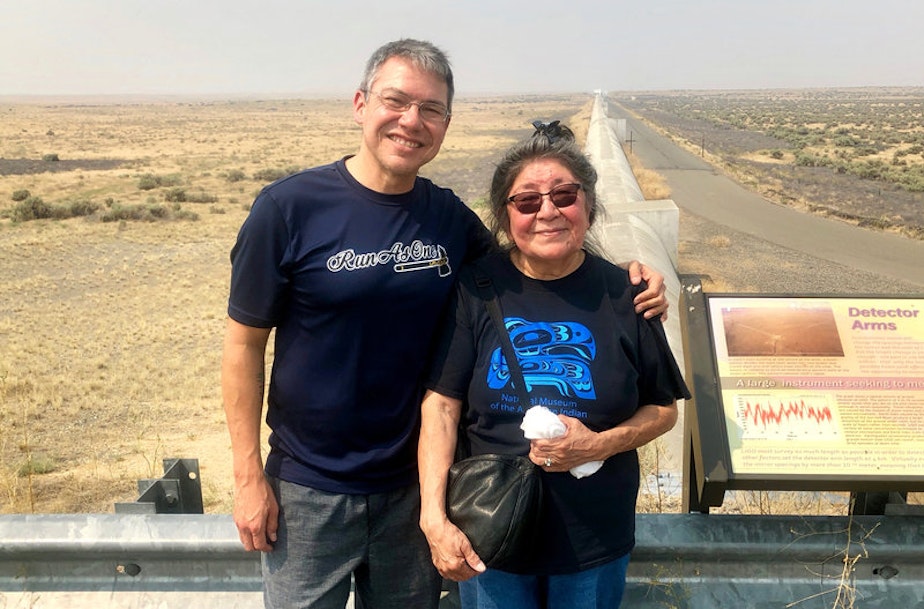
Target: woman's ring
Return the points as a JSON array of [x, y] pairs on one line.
[[548, 461]]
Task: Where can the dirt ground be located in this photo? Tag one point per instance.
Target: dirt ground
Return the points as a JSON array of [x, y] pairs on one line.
[[110, 333]]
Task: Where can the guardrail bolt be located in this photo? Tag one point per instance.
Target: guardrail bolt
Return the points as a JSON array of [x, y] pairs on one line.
[[130, 568], [886, 571]]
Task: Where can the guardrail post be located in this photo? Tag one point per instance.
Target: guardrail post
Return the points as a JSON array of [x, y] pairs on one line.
[[178, 491]]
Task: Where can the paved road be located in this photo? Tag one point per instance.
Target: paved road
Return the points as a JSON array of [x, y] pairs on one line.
[[698, 189]]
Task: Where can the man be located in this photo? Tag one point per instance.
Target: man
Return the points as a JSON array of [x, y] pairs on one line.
[[351, 263]]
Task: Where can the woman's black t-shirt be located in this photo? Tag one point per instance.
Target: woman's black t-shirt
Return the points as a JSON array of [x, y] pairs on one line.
[[584, 353]]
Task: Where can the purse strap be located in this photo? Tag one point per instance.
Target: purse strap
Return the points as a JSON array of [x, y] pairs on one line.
[[492, 303]]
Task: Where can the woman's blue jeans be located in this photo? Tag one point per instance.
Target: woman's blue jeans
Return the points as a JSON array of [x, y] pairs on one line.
[[598, 588]]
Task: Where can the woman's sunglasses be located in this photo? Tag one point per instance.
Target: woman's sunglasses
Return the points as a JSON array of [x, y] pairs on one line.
[[530, 202]]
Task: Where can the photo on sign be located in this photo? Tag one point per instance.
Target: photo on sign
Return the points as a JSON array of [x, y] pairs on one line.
[[775, 331]]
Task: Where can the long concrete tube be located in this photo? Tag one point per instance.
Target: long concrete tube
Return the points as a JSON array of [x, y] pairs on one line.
[[631, 228]]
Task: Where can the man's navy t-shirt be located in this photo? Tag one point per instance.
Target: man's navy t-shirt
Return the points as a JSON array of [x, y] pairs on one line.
[[354, 281]]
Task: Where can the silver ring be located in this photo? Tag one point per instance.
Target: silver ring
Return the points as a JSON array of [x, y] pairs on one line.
[[548, 461]]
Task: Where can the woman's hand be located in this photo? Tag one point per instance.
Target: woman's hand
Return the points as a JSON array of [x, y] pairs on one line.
[[579, 445], [452, 552]]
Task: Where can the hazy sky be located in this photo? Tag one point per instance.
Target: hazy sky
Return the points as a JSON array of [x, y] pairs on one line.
[[318, 47]]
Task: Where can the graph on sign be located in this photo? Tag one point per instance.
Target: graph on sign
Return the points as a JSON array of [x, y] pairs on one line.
[[800, 417]]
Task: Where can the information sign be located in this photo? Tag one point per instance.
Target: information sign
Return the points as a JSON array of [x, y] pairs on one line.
[[802, 393]]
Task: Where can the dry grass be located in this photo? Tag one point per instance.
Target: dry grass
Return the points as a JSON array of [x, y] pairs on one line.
[[110, 354], [110, 333], [652, 184]]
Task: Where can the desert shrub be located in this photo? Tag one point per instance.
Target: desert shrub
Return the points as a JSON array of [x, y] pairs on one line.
[[149, 181], [776, 154], [158, 211], [846, 141], [890, 138], [201, 197], [175, 195], [59, 212], [179, 195], [271, 174], [82, 208], [911, 181], [865, 150], [146, 212], [36, 466], [127, 212], [21, 195], [235, 175], [32, 208], [806, 160], [868, 170], [186, 215], [51, 158], [112, 214]]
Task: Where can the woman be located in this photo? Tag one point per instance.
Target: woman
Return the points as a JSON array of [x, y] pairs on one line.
[[605, 370]]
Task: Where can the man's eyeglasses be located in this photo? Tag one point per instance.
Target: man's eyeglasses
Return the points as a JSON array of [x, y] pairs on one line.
[[530, 202], [430, 112]]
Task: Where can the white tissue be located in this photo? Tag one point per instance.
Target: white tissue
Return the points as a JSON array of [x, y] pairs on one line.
[[541, 423]]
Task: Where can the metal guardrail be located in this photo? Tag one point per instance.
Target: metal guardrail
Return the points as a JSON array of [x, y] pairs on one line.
[[693, 561], [682, 561], [125, 560], [124, 552]]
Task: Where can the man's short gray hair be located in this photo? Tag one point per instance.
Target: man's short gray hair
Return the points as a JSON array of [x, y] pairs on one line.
[[421, 53]]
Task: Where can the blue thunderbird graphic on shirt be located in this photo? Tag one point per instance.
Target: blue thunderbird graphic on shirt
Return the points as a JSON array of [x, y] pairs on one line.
[[556, 354]]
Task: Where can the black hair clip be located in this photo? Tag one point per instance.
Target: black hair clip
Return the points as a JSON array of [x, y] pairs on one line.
[[553, 131]]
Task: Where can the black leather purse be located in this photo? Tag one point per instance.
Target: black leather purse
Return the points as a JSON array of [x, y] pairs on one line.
[[496, 500]]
